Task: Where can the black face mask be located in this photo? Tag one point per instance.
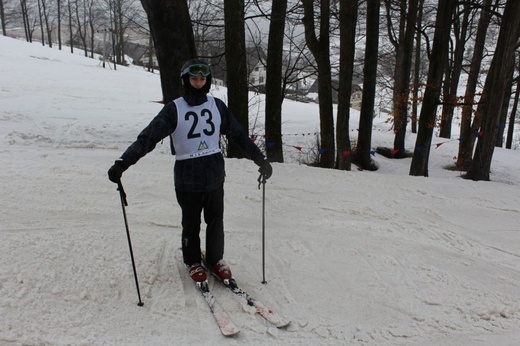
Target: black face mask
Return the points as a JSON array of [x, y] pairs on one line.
[[192, 96]]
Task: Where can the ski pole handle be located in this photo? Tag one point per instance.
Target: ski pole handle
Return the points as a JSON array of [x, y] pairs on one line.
[[122, 193], [261, 180]]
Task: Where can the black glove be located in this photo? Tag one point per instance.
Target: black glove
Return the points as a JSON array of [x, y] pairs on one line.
[[116, 171], [266, 170]]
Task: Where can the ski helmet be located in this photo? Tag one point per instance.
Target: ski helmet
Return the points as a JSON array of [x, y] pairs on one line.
[[193, 68]]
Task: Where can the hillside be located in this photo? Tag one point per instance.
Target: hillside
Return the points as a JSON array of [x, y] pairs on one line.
[[352, 258]]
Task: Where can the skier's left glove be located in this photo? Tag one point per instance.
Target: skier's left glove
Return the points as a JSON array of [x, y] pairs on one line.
[[266, 170], [116, 171]]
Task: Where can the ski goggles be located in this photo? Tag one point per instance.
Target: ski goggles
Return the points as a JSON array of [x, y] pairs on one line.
[[196, 69]]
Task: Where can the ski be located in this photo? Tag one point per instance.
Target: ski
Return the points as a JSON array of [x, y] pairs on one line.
[[268, 314], [224, 322]]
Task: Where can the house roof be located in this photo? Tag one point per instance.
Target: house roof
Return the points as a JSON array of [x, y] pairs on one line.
[[135, 50]]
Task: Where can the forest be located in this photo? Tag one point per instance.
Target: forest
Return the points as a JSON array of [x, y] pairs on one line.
[[430, 64]]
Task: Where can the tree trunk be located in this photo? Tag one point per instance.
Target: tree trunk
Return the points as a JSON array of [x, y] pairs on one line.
[[417, 67], [71, 33], [511, 126], [446, 93], [48, 28], [451, 99], [494, 89], [403, 67], [236, 65], [501, 125], [273, 84], [150, 54], [58, 4], [26, 23], [116, 4], [81, 27], [40, 14], [2, 17], [320, 49], [347, 30], [91, 24], [364, 151], [467, 131], [172, 34], [421, 155], [120, 31]]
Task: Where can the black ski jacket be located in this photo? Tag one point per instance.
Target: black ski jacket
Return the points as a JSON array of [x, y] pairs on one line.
[[200, 174]]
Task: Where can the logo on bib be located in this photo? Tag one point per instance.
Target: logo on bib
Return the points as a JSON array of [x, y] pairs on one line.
[[203, 146]]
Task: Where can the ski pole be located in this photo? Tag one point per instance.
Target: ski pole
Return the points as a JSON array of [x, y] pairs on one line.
[[261, 181], [124, 203]]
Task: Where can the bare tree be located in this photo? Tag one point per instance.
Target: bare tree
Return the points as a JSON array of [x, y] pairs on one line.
[[348, 14], [58, 16], [70, 11], [2, 17], [438, 58], [47, 21], [208, 28], [273, 85], [363, 150], [123, 13], [493, 92], [81, 16], [403, 45], [172, 34], [23, 9], [467, 130], [501, 125], [41, 22], [417, 68], [512, 116], [320, 49], [454, 69], [237, 75], [298, 63]]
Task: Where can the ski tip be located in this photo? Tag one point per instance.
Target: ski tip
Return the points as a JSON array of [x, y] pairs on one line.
[[278, 322], [274, 319], [231, 333], [283, 324]]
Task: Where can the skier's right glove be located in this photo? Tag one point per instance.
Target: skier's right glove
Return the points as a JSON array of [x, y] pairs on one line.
[[116, 171]]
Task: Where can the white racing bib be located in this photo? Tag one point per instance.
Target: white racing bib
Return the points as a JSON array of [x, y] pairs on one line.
[[198, 129]]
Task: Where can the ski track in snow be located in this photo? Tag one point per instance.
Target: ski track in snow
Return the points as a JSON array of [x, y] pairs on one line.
[[402, 270]]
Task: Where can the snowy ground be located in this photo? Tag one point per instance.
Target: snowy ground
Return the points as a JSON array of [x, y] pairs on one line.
[[352, 258]]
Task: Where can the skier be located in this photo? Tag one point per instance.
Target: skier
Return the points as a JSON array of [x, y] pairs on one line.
[[196, 121]]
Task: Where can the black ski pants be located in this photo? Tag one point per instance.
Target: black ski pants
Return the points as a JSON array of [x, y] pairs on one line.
[[193, 204]]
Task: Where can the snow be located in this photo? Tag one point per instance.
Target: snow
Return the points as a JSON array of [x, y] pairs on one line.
[[352, 258]]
